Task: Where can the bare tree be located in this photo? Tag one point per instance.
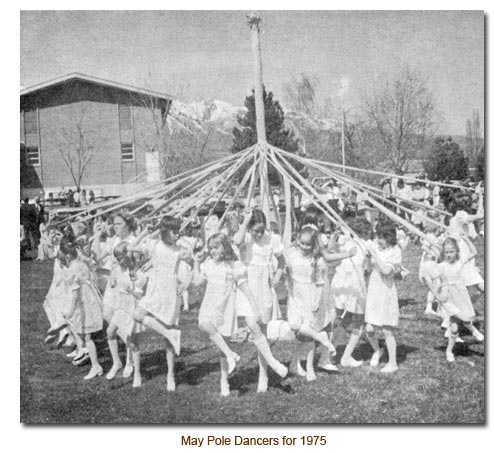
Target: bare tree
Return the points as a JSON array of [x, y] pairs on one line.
[[300, 94], [403, 113], [77, 141], [474, 137]]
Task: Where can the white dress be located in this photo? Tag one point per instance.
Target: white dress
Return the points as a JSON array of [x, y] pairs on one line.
[[123, 316], [305, 302], [382, 298], [87, 317], [348, 284], [110, 297], [161, 298], [454, 290], [459, 225], [257, 258], [58, 296], [216, 307]]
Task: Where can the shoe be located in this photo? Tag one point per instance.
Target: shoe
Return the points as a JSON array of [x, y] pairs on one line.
[[450, 357], [459, 340], [389, 368], [113, 372], [351, 363], [311, 377], [128, 370], [329, 367], [137, 381], [50, 339], [80, 359], [62, 341], [430, 311], [477, 335], [174, 339], [71, 355], [94, 372], [374, 361], [170, 385], [281, 370], [55, 330]]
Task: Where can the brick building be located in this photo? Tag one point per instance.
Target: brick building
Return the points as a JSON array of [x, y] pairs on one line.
[[102, 135]]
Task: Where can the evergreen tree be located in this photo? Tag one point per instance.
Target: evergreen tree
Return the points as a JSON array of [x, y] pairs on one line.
[[276, 132], [480, 164], [446, 161]]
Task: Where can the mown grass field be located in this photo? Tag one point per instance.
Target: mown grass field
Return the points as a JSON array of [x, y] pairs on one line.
[[425, 389]]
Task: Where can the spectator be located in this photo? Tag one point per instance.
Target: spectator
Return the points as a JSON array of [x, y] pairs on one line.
[[77, 197], [91, 199]]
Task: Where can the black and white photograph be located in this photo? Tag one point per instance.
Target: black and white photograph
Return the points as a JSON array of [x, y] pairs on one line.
[[252, 217]]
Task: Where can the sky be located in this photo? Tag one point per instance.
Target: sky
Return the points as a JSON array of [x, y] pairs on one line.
[[203, 55]]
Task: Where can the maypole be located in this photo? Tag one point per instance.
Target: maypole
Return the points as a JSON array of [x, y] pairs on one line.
[[253, 22]]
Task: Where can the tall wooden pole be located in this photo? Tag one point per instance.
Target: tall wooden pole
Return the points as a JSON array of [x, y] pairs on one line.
[[253, 22]]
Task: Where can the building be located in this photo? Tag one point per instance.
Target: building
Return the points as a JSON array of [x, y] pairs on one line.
[[79, 130]]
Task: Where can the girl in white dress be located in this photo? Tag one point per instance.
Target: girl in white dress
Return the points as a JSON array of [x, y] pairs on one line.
[[382, 309], [257, 247], [305, 271], [453, 293], [349, 288], [216, 315], [124, 226], [459, 228], [83, 308], [159, 309], [130, 284], [428, 262]]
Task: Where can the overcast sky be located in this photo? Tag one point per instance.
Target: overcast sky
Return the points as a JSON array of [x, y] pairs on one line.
[[206, 54]]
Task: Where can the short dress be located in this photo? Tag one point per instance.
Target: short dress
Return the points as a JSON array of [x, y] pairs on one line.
[[110, 297], [257, 258], [381, 307], [216, 308], [123, 316], [57, 296], [161, 298], [454, 290], [87, 317], [459, 225], [305, 302], [348, 284]]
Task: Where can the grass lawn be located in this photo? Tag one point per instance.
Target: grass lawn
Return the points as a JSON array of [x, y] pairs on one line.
[[425, 389]]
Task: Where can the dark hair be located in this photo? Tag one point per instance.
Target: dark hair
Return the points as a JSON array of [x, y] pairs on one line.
[[454, 243], [68, 248], [387, 232], [120, 249], [128, 219], [257, 217], [167, 224], [225, 243]]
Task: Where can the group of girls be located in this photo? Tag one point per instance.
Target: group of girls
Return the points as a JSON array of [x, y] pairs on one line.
[[144, 272]]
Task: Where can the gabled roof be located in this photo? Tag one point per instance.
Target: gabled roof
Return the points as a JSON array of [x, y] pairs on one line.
[[96, 80]]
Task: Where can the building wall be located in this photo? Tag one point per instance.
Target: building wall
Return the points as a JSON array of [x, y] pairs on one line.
[[63, 125]]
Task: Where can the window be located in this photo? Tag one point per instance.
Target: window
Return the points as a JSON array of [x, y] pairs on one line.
[[125, 117], [33, 157], [127, 150], [31, 122]]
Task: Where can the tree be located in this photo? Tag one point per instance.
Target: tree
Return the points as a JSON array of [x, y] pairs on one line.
[[77, 141], [403, 113], [474, 136], [480, 164], [446, 161], [276, 133]]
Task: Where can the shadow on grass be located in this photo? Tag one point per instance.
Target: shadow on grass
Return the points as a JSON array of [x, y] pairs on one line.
[[461, 349], [364, 351], [406, 301]]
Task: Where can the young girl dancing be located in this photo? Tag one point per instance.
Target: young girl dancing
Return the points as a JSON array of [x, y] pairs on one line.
[[305, 271], [216, 315], [453, 293], [257, 247], [130, 283], [382, 310], [83, 310], [428, 262], [159, 309], [349, 288]]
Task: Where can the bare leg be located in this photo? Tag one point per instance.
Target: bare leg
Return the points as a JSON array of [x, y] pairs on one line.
[[170, 377], [391, 366], [262, 384], [113, 347], [96, 369], [371, 336], [311, 375], [225, 387], [347, 360]]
